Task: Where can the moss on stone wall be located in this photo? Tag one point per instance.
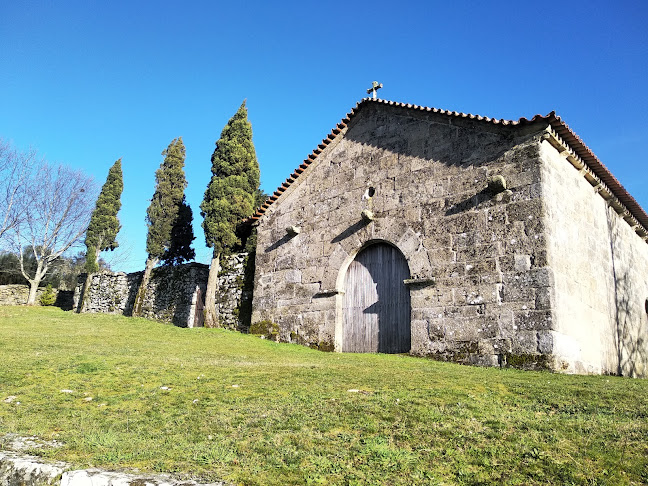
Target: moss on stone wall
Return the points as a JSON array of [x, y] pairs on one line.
[[527, 361], [326, 346], [266, 329]]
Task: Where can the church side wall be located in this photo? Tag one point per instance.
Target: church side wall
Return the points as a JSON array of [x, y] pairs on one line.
[[601, 276], [482, 291]]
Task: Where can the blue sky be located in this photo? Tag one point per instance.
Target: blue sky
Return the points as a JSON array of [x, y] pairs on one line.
[[87, 82]]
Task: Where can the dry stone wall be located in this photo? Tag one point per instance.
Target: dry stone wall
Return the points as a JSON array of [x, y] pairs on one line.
[[17, 295], [235, 299], [108, 293], [174, 294]]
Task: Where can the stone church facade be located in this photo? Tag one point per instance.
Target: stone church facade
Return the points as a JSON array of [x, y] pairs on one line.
[[458, 237]]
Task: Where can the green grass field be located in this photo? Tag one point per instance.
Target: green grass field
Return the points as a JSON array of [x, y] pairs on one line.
[[216, 404]]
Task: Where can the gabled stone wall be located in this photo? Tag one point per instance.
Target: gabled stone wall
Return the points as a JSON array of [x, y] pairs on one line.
[[516, 254], [480, 285], [174, 294]]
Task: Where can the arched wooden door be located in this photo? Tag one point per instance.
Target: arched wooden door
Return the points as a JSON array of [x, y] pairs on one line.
[[377, 302]]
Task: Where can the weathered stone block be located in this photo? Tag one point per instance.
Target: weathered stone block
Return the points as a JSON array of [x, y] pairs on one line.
[[522, 262], [293, 276], [469, 329], [410, 242], [524, 210], [543, 298], [540, 277], [17, 469], [517, 293], [322, 302], [442, 256], [427, 297], [487, 251], [524, 342], [487, 294], [481, 267], [531, 320], [313, 274], [494, 346], [435, 329]]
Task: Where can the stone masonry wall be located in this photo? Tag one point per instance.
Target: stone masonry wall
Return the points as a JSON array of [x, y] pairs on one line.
[[174, 294], [601, 276], [233, 298], [484, 289], [109, 293], [17, 295]]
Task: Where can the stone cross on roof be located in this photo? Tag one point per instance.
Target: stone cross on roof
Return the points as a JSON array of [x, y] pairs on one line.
[[375, 86]]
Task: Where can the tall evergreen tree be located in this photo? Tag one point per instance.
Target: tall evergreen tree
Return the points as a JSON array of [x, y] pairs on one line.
[[162, 213], [230, 197], [182, 236], [101, 234]]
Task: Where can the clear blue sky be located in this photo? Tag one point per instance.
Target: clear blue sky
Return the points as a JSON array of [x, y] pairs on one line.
[[86, 82]]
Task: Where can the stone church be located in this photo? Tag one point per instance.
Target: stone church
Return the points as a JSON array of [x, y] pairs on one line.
[[458, 237]]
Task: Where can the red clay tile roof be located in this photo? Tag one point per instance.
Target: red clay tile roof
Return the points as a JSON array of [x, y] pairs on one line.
[[556, 123]]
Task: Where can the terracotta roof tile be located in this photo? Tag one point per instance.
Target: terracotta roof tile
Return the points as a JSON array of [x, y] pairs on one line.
[[556, 123]]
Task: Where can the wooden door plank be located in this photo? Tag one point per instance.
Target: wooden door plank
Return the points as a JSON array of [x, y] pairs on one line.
[[376, 308]]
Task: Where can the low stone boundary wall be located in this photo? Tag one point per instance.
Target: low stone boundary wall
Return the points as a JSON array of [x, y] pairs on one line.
[[174, 294], [17, 294]]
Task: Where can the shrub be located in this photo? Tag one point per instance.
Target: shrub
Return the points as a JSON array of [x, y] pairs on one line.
[[48, 297]]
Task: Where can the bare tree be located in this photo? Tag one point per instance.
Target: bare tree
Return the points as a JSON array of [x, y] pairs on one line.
[[15, 168], [54, 215]]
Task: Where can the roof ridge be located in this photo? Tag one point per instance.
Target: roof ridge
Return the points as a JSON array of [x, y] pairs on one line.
[[497, 121]]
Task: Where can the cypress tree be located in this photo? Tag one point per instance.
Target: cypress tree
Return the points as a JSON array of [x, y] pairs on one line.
[[182, 236], [162, 213], [230, 197], [101, 234]]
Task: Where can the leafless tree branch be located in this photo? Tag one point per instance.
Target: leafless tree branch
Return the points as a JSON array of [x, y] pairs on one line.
[[56, 207], [15, 169]]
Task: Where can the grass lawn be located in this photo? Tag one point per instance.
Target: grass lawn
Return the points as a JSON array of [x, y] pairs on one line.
[[217, 404]]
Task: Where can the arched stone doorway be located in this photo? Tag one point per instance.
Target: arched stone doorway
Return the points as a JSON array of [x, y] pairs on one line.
[[376, 307]]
